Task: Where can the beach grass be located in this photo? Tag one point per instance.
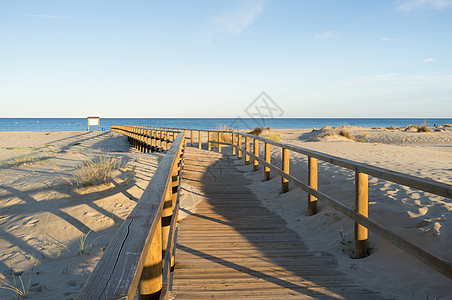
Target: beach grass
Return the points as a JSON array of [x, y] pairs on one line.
[[222, 137], [256, 131], [23, 159], [274, 137], [96, 171]]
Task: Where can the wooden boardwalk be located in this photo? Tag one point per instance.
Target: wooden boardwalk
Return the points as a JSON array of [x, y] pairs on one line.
[[233, 247]]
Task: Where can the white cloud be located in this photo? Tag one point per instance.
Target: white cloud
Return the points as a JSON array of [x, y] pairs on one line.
[[391, 39], [407, 5], [237, 21], [44, 16], [427, 60], [325, 35]]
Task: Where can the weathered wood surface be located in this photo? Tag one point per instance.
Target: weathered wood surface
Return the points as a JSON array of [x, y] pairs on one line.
[[233, 247]]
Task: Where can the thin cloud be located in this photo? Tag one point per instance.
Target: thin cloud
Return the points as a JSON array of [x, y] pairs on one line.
[[237, 21], [427, 60], [391, 39], [407, 5], [44, 16], [426, 79], [325, 35]]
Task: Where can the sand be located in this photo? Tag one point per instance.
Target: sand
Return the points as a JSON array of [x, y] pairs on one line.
[[53, 233], [44, 219]]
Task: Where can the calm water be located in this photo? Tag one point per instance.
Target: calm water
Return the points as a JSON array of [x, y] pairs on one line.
[[75, 124]]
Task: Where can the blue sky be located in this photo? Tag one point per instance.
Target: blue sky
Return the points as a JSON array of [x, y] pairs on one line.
[[318, 58]]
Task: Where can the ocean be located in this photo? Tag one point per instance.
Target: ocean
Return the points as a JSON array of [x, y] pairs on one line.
[[81, 124]]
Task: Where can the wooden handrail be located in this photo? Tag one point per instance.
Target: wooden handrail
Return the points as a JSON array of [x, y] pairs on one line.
[[132, 257]]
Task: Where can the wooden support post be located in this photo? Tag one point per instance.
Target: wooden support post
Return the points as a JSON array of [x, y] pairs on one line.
[[312, 182], [159, 140], [191, 138], [362, 207], [233, 145], [199, 140], [285, 168], [135, 137], [174, 189], [267, 159], [219, 145], [168, 145], [167, 213], [153, 140], [247, 149], [256, 153], [142, 139], [239, 151], [209, 144], [147, 140], [151, 277]]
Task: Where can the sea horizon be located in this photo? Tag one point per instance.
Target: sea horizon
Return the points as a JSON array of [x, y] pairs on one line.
[[81, 124]]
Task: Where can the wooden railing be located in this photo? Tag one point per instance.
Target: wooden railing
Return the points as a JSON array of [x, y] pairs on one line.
[[144, 244], [134, 256], [359, 213]]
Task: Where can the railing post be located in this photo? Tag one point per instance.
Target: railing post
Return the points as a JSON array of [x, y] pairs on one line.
[[209, 144], [146, 149], [219, 140], [153, 141], [159, 140], [199, 140], [151, 277], [247, 149], [142, 139], [233, 145], [361, 207], [167, 214], [191, 138], [168, 144], [267, 159], [312, 182], [285, 168], [174, 188], [256, 153], [239, 151]]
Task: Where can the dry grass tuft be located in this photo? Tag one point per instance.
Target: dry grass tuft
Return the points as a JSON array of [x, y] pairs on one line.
[[274, 137], [222, 137], [416, 128], [23, 160], [391, 128], [346, 134], [411, 127], [447, 125], [423, 128], [256, 131], [96, 171]]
